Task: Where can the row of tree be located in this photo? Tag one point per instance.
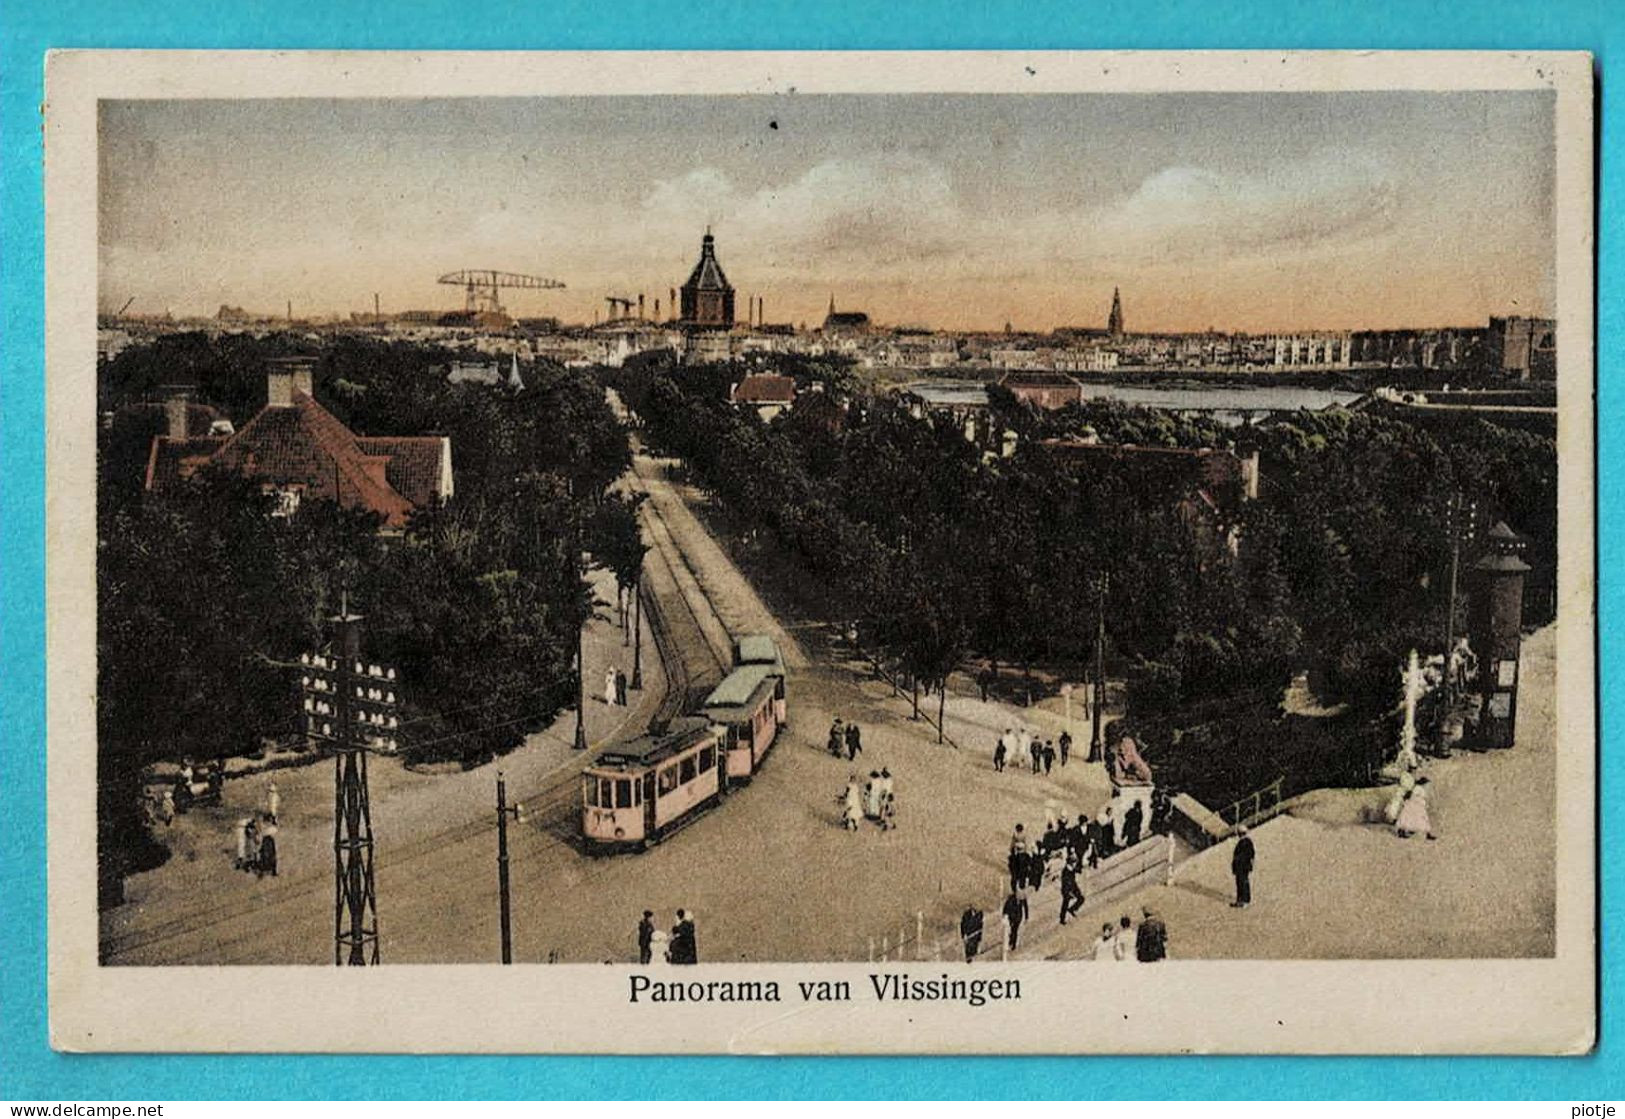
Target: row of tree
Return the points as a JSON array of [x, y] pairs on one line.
[[204, 599]]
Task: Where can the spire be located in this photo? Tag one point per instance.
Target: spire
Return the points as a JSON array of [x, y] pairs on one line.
[[832, 302], [1114, 324]]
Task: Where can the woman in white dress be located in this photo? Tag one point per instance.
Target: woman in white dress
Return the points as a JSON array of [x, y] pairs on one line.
[[657, 949], [609, 686], [1413, 814]]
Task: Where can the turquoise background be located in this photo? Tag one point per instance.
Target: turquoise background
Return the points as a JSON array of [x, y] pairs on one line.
[[30, 1070]]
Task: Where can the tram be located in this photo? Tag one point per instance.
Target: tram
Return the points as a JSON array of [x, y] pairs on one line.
[[749, 707], [635, 794]]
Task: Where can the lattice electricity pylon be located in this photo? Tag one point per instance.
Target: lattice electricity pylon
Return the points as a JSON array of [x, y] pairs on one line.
[[350, 704]]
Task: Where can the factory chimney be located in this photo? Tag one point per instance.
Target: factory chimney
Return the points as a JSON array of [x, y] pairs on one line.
[[640, 306], [657, 309]]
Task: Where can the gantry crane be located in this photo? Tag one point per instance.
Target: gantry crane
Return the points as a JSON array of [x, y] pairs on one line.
[[481, 286]]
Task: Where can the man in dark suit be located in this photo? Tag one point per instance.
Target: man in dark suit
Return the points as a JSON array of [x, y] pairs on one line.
[[1151, 944], [646, 935], [1071, 892], [970, 931], [1241, 865], [1132, 819], [683, 948]]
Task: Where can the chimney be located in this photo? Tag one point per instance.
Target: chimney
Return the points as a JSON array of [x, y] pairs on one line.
[[286, 376], [175, 416], [640, 306], [657, 309]]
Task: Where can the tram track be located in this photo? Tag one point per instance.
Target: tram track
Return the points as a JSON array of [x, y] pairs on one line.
[[695, 648]]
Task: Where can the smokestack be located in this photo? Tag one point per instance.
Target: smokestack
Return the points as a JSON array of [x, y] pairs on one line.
[[640, 305], [285, 376], [761, 311], [673, 304], [657, 310], [290, 310], [175, 416], [376, 313]]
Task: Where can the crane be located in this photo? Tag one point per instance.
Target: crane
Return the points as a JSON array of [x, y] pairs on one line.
[[481, 285]]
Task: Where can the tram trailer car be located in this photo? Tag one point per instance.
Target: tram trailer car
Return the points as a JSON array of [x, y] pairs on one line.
[[757, 648], [635, 794], [749, 708]]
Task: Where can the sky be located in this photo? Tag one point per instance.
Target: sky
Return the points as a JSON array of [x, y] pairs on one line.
[[1245, 212]]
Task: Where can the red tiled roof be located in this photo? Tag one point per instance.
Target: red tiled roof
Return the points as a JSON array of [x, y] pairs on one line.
[[413, 466], [766, 388], [305, 445]]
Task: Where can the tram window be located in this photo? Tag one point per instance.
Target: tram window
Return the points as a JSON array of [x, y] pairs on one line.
[[623, 794], [708, 758], [778, 689], [733, 736], [591, 792], [688, 769], [605, 799], [668, 779]]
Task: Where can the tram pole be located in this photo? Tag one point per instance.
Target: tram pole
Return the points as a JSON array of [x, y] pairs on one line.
[[503, 812], [637, 632]]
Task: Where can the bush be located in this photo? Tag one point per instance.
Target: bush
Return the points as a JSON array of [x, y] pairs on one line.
[[1153, 687]]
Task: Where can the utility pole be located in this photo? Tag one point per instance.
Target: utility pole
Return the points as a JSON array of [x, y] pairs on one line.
[[1097, 746], [637, 632], [517, 811], [350, 705], [1459, 514]]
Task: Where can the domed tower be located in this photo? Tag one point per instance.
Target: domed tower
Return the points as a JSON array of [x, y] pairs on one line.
[[707, 297]]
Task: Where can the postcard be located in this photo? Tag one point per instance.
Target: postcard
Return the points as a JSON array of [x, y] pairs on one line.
[[821, 552]]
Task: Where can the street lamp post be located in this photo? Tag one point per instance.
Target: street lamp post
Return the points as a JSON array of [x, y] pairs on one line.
[[504, 810], [1097, 746], [637, 632], [581, 686], [1459, 523]]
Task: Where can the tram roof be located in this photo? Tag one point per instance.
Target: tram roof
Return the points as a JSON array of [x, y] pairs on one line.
[[740, 686], [649, 748], [756, 648]]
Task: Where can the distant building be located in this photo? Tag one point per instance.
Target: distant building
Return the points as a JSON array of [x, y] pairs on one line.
[[297, 449], [1114, 321], [769, 393], [708, 297], [1312, 351], [844, 321], [1048, 390], [1525, 348]]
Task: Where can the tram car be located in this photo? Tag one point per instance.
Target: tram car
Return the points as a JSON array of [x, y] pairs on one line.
[[758, 648], [635, 794], [749, 708]]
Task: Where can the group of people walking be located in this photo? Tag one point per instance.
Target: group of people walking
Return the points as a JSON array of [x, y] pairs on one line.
[[1023, 749], [1146, 943], [875, 799], [658, 947], [845, 740], [257, 835]]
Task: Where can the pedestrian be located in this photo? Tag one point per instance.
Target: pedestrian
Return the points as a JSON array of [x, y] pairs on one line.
[[1413, 813], [1161, 808], [1241, 866], [684, 949], [888, 812], [251, 857], [998, 757], [887, 790], [1132, 819], [609, 687], [620, 687], [1102, 949], [854, 742], [659, 948], [1124, 945], [646, 937], [273, 803], [1049, 756], [1015, 912], [267, 860], [970, 931], [1151, 943], [1066, 747], [871, 796], [166, 807], [1106, 833], [852, 812], [242, 843], [1018, 857], [1023, 751], [1036, 755], [1071, 892], [983, 679], [837, 737]]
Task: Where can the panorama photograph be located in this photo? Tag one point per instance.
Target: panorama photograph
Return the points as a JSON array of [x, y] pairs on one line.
[[880, 528]]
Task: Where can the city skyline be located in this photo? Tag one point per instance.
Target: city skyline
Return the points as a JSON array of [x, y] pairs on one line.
[[956, 212]]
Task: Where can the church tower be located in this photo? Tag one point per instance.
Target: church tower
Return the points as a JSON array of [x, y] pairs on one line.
[[707, 297], [1114, 324]]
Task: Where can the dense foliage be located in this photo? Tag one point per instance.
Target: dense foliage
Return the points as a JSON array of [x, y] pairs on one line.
[[941, 552], [203, 599]]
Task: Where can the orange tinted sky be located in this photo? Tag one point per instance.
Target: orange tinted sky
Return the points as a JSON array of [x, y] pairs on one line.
[[1242, 211]]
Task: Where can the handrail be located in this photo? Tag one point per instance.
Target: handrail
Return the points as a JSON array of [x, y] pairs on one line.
[[1254, 801]]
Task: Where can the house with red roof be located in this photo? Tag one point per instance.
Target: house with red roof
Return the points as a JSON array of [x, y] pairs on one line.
[[768, 393], [299, 450]]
